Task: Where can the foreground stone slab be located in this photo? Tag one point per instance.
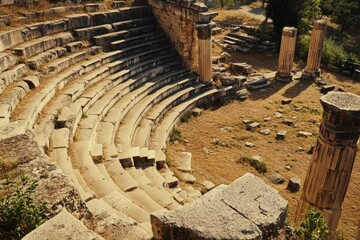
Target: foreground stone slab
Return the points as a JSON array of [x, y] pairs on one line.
[[62, 226], [246, 209]]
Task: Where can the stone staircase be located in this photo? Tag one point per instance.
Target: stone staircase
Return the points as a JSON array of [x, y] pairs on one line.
[[101, 92]]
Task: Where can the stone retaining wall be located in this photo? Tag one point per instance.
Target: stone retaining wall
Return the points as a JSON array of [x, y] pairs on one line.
[[179, 20]]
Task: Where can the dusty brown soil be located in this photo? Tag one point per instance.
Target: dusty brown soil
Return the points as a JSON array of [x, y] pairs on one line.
[[220, 165]]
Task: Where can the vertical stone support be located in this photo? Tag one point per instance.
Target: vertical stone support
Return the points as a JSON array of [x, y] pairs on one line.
[[312, 69], [204, 50], [329, 171], [286, 56]]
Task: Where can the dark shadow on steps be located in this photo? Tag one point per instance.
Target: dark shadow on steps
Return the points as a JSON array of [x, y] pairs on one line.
[[297, 88]]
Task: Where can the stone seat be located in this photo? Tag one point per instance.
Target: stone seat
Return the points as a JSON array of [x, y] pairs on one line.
[[39, 45], [107, 38], [141, 136], [132, 23], [98, 110], [7, 61], [132, 119], [12, 75], [120, 108], [159, 195], [40, 59], [62, 63], [125, 42], [163, 130], [60, 157]]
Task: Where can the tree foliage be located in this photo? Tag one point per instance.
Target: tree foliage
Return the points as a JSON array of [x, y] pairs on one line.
[[347, 14], [292, 13], [19, 214]]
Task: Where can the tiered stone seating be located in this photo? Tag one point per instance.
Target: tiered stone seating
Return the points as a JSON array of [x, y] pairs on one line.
[[102, 91]]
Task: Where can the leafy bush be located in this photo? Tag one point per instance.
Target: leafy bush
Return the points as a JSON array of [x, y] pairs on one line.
[[175, 135], [313, 227], [259, 166], [19, 214]]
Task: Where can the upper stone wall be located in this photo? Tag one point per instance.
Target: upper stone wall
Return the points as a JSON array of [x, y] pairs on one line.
[[179, 20]]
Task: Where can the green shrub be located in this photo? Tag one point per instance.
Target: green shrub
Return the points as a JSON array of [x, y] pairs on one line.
[[186, 116], [313, 226], [259, 166], [332, 52], [175, 135], [19, 214]]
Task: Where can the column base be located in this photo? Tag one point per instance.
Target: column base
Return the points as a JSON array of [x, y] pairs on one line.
[[310, 75], [283, 77]]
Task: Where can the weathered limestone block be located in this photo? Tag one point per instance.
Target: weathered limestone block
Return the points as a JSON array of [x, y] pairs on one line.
[[10, 38], [63, 226], [87, 33], [13, 74], [50, 55], [18, 147], [79, 21], [118, 4], [246, 209], [183, 162], [94, 7], [6, 61]]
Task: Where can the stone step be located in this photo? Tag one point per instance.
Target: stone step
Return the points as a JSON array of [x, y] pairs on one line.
[[89, 32], [7, 61], [159, 195], [42, 58], [163, 130], [97, 206], [124, 205], [142, 135], [132, 119], [39, 45], [106, 39], [12, 75], [92, 176], [60, 64], [133, 23], [87, 128], [60, 157], [234, 40], [120, 108], [135, 40]]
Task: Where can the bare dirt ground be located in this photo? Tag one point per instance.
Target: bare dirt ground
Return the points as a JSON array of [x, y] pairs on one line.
[[219, 164]]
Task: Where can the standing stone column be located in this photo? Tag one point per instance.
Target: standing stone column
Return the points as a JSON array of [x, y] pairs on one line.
[[312, 69], [329, 171], [204, 47], [286, 56]]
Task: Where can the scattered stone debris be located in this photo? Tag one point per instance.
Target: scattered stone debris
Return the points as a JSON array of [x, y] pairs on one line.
[[327, 88], [183, 162], [256, 82], [267, 119], [265, 131], [187, 178], [304, 134], [196, 112], [294, 184], [215, 141], [207, 186], [278, 115], [288, 167], [275, 178], [249, 144], [298, 108], [257, 158], [286, 101], [288, 122], [241, 68], [281, 135], [246, 121], [252, 126], [242, 94], [300, 149], [311, 149], [205, 150]]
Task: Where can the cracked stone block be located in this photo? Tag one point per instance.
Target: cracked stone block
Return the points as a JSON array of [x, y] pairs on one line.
[[246, 209]]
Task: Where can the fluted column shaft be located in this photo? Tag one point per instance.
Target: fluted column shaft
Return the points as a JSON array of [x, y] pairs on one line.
[[286, 55], [312, 69], [205, 47], [329, 171]]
